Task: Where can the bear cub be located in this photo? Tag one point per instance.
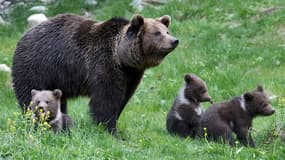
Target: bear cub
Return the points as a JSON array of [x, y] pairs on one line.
[[48, 103], [184, 116], [236, 115]]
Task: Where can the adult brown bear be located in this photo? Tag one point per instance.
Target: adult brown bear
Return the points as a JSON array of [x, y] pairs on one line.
[[102, 60]]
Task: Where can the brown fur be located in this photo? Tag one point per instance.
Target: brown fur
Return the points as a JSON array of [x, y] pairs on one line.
[[184, 116], [103, 60], [153, 41], [220, 120]]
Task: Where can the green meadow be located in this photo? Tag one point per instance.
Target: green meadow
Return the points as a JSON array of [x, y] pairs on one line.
[[232, 45]]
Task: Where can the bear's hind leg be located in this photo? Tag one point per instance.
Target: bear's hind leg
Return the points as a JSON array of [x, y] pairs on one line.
[[183, 130]]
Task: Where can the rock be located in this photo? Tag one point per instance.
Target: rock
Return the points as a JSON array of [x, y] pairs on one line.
[[40, 9], [140, 4], [4, 68], [91, 2], [87, 14], [137, 4], [4, 4], [47, 1], [36, 19], [154, 2], [2, 22]]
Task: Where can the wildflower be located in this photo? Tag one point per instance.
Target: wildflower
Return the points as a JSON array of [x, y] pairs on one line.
[[48, 114], [31, 137], [46, 124], [28, 113], [34, 120], [43, 129], [236, 142], [15, 113], [42, 117], [205, 132]]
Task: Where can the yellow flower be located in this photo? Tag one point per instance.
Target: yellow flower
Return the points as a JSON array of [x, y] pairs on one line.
[[34, 120], [46, 124], [31, 137]]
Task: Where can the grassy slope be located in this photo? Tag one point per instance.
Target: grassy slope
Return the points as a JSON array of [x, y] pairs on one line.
[[230, 59]]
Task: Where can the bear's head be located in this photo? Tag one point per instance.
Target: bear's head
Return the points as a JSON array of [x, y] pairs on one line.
[[196, 89], [257, 103], [46, 101], [146, 41]]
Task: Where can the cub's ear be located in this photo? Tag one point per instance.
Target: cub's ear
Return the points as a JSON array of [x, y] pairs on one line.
[[34, 92], [259, 88], [248, 96], [166, 20], [187, 78], [57, 93], [136, 23]]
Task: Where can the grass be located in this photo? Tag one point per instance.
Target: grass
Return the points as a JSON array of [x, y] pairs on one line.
[[232, 45]]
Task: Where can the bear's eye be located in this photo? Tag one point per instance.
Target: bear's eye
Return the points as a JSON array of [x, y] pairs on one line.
[[264, 105], [167, 32], [157, 33], [203, 91], [47, 102]]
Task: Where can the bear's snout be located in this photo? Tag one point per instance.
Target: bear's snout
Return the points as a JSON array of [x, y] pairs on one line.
[[272, 111], [268, 111], [174, 43], [42, 109]]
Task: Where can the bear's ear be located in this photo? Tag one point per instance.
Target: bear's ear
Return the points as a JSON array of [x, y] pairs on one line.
[[259, 88], [166, 20], [136, 23], [57, 93], [34, 92], [248, 96], [187, 78]]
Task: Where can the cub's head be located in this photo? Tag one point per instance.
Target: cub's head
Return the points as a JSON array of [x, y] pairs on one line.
[[196, 89], [46, 101], [152, 39], [257, 103]]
